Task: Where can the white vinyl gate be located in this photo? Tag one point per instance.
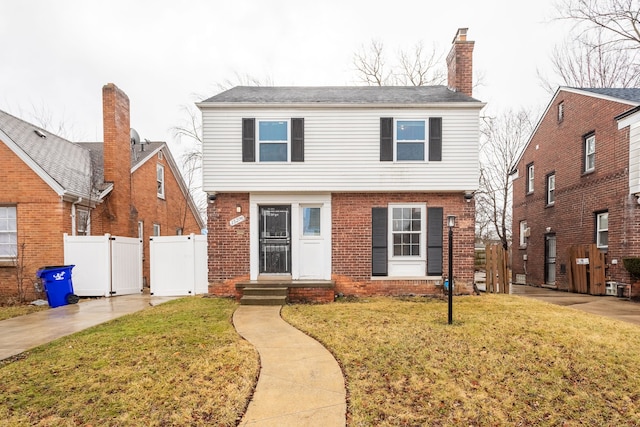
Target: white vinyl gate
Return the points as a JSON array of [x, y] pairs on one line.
[[178, 265], [104, 265]]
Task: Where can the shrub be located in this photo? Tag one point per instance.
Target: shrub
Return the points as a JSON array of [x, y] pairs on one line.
[[633, 266]]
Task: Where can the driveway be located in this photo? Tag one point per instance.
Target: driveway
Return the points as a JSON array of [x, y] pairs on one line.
[[608, 306], [19, 334]]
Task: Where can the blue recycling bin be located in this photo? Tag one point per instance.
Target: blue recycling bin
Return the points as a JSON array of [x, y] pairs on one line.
[[56, 281]]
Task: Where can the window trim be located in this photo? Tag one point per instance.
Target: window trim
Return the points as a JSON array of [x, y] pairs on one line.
[[531, 176], [160, 181], [87, 229], [598, 215], [11, 232], [258, 142], [586, 155], [425, 141], [423, 232], [156, 230], [523, 231], [550, 190]]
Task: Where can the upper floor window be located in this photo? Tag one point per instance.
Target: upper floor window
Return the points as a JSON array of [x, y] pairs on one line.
[[530, 178], [560, 111], [524, 231], [551, 188], [160, 180], [273, 140], [410, 139], [8, 232], [602, 229], [589, 153]]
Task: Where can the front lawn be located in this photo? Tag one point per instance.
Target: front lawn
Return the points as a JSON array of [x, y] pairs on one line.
[[9, 311], [506, 360], [178, 363]]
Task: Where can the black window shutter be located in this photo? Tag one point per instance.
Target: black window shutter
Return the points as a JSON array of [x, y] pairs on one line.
[[435, 139], [297, 140], [379, 241], [434, 241], [386, 139], [248, 140]]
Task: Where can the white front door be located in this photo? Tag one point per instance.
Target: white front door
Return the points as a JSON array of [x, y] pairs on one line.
[[310, 231]]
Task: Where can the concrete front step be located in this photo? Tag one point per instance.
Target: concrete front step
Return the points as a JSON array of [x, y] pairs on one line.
[[265, 291], [263, 300]]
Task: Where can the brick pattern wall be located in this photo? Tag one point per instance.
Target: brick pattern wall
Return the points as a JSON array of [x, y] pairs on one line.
[[117, 166], [460, 65], [558, 147], [42, 218], [229, 250]]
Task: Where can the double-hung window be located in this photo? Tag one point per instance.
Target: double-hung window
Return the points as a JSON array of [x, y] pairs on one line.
[[160, 180], [551, 188], [8, 232], [602, 229], [273, 140], [530, 177], [589, 153], [83, 222], [406, 231], [410, 139]]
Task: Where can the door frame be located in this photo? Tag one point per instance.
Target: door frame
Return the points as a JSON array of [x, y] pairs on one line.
[[296, 201], [547, 264], [286, 240]]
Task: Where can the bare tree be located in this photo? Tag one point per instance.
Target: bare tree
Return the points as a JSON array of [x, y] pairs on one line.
[[418, 67], [587, 62], [503, 138], [618, 19]]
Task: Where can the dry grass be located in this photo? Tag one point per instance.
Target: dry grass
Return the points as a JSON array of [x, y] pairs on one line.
[[7, 312], [505, 361], [179, 363]]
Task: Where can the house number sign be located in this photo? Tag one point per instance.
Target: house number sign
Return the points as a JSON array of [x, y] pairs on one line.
[[582, 261], [237, 220]]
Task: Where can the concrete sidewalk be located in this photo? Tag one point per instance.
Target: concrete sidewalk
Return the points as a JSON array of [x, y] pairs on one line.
[[300, 382], [22, 333], [608, 306]]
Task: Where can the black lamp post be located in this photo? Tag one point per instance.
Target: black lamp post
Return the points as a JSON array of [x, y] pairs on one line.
[[451, 222]]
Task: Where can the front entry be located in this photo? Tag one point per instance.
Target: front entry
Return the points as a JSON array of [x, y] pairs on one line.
[[550, 259], [275, 239]]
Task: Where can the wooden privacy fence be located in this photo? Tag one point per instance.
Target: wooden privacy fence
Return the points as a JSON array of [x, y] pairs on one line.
[[586, 270], [497, 272]]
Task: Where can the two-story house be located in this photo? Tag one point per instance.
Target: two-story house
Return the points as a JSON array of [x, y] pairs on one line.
[[50, 186], [346, 186], [577, 183]]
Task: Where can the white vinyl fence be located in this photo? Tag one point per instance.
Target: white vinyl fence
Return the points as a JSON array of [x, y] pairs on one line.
[[178, 265], [104, 265]]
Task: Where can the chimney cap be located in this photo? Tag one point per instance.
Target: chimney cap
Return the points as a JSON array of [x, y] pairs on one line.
[[461, 35]]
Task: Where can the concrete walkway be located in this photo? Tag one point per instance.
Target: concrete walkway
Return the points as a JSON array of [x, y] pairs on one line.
[[300, 382], [608, 306], [22, 333]]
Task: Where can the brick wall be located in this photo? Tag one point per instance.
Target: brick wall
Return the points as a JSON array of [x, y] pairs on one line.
[[460, 64], [558, 147], [229, 252], [42, 218]]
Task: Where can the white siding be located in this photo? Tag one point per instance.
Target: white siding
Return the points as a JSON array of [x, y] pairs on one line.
[[342, 152]]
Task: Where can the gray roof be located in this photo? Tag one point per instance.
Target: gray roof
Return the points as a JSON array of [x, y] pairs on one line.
[[65, 162], [348, 95], [628, 94]]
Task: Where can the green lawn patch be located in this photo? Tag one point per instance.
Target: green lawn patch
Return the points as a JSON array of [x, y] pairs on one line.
[[178, 363], [506, 360], [7, 312]]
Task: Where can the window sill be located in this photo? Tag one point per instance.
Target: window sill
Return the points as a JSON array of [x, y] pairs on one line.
[[8, 262], [522, 247], [529, 193], [589, 172], [550, 205], [378, 278]]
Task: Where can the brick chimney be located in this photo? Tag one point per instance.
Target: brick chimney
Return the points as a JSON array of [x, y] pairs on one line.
[[460, 63], [117, 159]]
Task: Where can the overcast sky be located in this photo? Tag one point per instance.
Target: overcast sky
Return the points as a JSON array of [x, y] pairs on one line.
[[57, 55]]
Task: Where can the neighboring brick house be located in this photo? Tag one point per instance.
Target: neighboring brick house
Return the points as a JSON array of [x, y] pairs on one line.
[[575, 183], [345, 186], [50, 186]]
